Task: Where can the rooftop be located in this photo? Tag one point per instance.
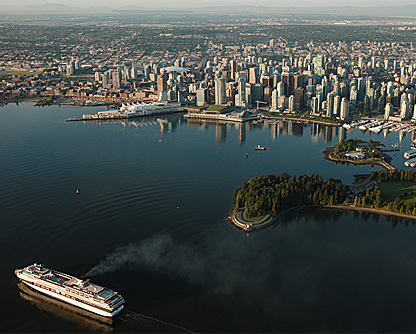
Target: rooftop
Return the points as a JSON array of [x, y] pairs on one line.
[[175, 69]]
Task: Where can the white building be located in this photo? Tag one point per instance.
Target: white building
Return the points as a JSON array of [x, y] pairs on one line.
[[275, 101], [337, 105], [330, 105], [388, 111], [345, 108], [220, 91], [291, 103]]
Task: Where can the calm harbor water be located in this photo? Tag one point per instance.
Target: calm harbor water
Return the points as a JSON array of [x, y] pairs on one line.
[[150, 222]]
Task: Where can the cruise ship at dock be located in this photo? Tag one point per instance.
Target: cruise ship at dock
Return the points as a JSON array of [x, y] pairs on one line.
[[133, 110], [81, 293]]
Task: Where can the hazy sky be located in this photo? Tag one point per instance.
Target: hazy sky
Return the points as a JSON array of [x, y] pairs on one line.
[[192, 3]]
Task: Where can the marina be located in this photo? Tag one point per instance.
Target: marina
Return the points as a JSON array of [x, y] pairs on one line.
[[377, 125]]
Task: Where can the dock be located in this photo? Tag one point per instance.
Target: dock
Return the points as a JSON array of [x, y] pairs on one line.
[[118, 116], [221, 117]]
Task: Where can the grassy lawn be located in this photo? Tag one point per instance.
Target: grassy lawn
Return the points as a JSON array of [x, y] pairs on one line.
[[28, 73], [216, 108], [391, 190], [198, 107], [21, 99], [257, 218], [279, 114], [322, 119], [228, 109]]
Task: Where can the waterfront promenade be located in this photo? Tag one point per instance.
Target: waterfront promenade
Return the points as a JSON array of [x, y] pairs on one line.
[[231, 117], [246, 225], [120, 115], [268, 220], [301, 120]]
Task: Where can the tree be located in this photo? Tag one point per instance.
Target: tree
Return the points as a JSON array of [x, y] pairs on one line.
[[331, 200], [378, 199]]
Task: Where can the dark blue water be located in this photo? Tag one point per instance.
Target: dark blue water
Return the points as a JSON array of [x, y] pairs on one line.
[[150, 220]]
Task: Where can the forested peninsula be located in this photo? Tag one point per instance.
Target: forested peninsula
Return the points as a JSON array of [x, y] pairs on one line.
[[260, 200]]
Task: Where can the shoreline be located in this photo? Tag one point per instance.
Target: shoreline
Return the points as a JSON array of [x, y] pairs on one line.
[[219, 117], [371, 210], [384, 164], [303, 120], [273, 220], [267, 220]]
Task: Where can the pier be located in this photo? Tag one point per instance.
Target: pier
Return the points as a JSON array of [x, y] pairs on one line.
[[221, 117], [119, 115]]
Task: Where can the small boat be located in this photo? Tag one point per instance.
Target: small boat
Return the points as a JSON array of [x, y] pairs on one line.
[[260, 148]]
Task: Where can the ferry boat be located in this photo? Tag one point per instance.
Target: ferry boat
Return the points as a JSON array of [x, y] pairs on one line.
[[81, 293]]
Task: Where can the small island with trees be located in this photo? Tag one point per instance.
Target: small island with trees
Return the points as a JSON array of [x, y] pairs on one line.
[[262, 199], [359, 152]]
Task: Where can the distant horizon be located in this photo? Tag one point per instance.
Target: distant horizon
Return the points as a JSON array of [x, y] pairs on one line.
[[22, 4], [265, 8]]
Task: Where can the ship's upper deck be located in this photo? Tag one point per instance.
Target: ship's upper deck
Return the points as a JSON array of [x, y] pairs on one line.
[[67, 281]]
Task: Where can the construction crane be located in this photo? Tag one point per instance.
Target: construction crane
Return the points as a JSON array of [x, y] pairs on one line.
[[258, 102]]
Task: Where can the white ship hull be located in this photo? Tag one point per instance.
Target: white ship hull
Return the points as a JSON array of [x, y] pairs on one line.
[[72, 290], [75, 302]]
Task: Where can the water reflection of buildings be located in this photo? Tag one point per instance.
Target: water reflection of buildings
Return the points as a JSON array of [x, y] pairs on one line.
[[289, 128], [221, 128], [166, 123], [242, 127], [86, 320], [401, 135], [277, 128], [274, 130], [314, 132], [297, 129], [220, 132], [326, 132], [342, 133]]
